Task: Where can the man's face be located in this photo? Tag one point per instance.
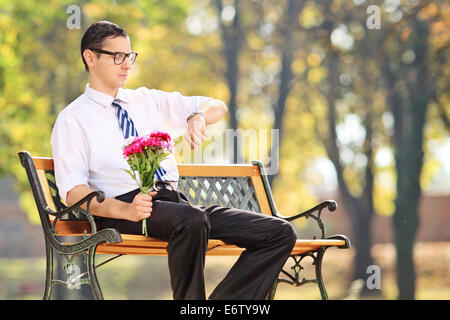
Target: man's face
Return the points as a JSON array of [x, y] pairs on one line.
[[110, 74]]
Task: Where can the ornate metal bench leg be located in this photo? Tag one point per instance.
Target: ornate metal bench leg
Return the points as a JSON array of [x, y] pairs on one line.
[[318, 264], [48, 272], [92, 274]]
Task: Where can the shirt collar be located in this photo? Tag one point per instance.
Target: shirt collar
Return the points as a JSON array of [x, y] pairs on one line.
[[104, 99]]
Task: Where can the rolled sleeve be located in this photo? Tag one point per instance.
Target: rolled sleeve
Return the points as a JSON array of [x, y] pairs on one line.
[[175, 109], [69, 182], [70, 153]]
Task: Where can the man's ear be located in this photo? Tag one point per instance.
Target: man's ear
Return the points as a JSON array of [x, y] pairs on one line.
[[90, 58]]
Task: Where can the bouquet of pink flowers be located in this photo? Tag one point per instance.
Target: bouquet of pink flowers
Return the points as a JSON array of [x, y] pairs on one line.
[[144, 155]]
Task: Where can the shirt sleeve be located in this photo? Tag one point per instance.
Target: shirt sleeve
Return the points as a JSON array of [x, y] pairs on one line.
[[70, 153], [175, 109]]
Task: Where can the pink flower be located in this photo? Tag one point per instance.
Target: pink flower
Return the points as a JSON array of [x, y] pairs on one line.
[[156, 141], [135, 147]]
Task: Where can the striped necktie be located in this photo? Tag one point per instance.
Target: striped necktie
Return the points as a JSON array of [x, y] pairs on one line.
[[125, 122]]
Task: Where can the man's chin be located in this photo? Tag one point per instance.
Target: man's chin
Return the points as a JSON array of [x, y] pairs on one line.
[[121, 84]]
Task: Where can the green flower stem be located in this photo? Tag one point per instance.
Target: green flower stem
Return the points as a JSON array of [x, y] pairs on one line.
[[146, 190], [144, 227]]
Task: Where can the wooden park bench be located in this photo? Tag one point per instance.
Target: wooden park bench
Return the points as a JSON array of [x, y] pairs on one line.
[[243, 186]]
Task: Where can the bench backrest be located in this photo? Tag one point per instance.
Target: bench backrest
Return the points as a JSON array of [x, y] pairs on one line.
[[242, 186]]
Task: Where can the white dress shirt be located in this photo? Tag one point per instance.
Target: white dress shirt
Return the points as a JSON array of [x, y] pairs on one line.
[[87, 140]]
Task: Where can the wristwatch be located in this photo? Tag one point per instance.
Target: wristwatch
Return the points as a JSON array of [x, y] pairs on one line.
[[194, 113]]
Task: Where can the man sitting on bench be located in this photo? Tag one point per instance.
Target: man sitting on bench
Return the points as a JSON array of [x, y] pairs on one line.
[[87, 141]]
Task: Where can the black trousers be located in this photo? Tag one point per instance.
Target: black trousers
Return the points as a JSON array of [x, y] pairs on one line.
[[268, 242]]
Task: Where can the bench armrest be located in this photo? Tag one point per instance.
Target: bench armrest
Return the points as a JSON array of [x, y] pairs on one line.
[[100, 195], [331, 205]]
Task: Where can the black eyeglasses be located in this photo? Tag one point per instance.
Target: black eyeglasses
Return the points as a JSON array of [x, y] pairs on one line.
[[119, 57]]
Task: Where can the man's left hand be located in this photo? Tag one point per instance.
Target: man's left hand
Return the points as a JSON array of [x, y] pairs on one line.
[[196, 131]]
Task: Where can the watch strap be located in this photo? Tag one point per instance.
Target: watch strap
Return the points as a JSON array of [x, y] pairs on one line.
[[193, 114]]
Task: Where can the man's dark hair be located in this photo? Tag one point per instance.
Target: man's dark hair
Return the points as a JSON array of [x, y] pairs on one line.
[[96, 34]]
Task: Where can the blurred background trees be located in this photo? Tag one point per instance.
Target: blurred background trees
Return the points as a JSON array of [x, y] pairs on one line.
[[358, 109]]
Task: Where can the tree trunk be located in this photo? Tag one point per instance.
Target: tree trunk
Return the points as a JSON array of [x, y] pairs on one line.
[[409, 160], [410, 116], [288, 26], [232, 37], [360, 208]]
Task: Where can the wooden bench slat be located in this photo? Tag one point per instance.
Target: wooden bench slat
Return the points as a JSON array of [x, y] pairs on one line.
[[261, 195], [194, 170], [142, 245], [71, 228], [45, 188], [150, 242], [223, 170], [146, 245], [225, 250], [143, 241], [42, 163]]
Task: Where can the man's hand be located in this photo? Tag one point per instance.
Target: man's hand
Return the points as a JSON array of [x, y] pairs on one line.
[[196, 131], [141, 207]]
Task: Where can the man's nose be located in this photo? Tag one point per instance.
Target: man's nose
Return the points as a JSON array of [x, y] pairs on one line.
[[126, 64]]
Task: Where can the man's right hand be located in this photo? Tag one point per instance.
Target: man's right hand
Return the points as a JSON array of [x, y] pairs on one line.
[[142, 206], [139, 209]]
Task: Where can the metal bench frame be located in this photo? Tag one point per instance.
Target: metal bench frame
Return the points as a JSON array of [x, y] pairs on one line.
[[242, 186]]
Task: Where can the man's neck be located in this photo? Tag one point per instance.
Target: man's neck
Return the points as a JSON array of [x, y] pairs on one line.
[[97, 85]]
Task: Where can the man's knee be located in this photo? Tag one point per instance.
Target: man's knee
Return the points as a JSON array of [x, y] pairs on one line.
[[291, 233], [196, 219], [288, 233]]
